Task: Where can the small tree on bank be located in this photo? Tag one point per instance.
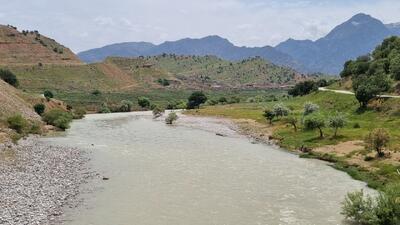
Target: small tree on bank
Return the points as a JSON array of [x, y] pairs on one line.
[[378, 140], [280, 110], [336, 122], [315, 122], [48, 95], [126, 106], [196, 99], [292, 120], [9, 77], [269, 115], [171, 118], [157, 112], [39, 108]]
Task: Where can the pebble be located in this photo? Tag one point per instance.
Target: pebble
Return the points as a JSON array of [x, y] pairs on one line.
[[39, 181]]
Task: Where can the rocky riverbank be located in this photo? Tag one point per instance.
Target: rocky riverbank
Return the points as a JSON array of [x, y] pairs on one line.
[[37, 180]]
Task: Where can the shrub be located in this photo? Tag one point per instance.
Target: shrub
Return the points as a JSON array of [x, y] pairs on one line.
[[212, 102], [336, 122], [104, 108], [356, 126], [39, 108], [366, 210], [79, 113], [378, 139], [313, 122], [157, 111], [310, 108], [17, 123], [144, 102], [58, 118], [126, 106], [196, 99], [48, 94], [164, 82], [96, 92], [222, 100], [9, 77], [234, 100], [280, 110], [171, 118]]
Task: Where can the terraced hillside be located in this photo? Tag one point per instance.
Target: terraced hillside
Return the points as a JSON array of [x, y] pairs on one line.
[[30, 48]]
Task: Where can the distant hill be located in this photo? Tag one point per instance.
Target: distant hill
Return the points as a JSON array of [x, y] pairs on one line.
[[30, 47], [211, 45], [355, 37]]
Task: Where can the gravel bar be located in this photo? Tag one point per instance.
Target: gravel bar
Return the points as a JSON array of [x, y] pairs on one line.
[[38, 180]]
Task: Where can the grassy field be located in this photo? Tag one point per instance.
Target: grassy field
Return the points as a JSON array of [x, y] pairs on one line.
[[375, 172]]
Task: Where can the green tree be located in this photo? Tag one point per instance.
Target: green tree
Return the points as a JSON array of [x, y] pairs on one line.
[[292, 120], [303, 88], [365, 92], [395, 66], [269, 115], [336, 122], [9, 77], [315, 121], [157, 111], [196, 99], [48, 94], [310, 108], [144, 102], [280, 110], [39, 108]]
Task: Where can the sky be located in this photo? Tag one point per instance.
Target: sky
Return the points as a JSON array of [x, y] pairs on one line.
[[86, 24]]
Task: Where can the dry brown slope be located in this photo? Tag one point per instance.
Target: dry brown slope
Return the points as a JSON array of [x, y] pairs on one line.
[[27, 48]]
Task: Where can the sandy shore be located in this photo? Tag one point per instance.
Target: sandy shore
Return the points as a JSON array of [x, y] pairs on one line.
[[37, 180]]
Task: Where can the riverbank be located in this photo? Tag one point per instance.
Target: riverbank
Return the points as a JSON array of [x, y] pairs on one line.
[[38, 180], [347, 151]]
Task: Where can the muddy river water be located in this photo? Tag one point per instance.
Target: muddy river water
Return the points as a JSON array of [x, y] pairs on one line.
[[187, 175]]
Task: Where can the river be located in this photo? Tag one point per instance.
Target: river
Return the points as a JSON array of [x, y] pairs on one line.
[[187, 175]]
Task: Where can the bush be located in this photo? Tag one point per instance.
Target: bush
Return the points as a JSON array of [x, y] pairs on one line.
[[366, 210], [79, 113], [39, 108], [222, 100], [234, 100], [96, 92], [356, 126], [157, 111], [378, 139], [196, 99], [9, 77], [280, 110], [164, 82], [104, 108], [17, 123], [310, 108], [126, 106], [48, 94], [144, 102], [58, 118], [171, 118]]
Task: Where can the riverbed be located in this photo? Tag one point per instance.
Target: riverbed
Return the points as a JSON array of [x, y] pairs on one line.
[[151, 173]]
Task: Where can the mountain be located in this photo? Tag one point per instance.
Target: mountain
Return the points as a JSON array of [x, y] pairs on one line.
[[211, 45], [30, 47], [355, 37], [394, 28]]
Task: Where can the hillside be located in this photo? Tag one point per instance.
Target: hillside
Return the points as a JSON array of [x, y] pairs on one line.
[[211, 45], [355, 37], [32, 48]]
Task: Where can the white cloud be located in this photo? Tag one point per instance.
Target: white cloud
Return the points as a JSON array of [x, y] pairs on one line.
[[83, 24]]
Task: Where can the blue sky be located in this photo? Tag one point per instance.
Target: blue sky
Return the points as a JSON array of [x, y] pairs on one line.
[[84, 24]]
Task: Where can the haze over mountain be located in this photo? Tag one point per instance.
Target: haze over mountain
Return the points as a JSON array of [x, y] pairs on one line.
[[357, 36], [211, 45]]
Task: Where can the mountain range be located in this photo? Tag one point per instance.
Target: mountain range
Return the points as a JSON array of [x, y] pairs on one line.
[[357, 36]]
